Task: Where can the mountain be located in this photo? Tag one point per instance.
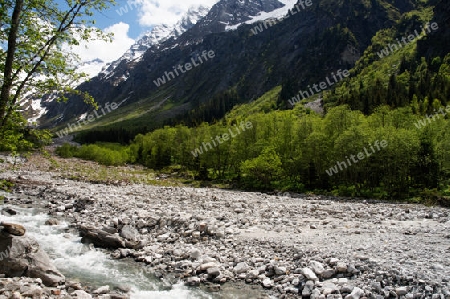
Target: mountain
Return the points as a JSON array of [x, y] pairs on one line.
[[34, 108], [222, 14], [154, 38], [305, 47]]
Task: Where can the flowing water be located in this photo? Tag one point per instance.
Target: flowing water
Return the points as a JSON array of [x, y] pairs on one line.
[[95, 268]]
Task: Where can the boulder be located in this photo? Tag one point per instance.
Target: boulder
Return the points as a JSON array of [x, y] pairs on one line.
[[213, 272], [193, 281], [355, 294], [308, 288], [101, 238], [13, 229], [52, 221], [268, 283], [317, 267], [130, 233], [241, 268], [195, 254], [341, 267], [279, 270], [25, 258], [309, 274], [81, 203], [135, 244], [8, 212], [206, 266], [81, 294]]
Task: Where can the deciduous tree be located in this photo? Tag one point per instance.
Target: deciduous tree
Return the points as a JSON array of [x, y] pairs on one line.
[[36, 37]]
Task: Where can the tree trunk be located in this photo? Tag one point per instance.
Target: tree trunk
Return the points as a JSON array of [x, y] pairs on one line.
[[7, 75]]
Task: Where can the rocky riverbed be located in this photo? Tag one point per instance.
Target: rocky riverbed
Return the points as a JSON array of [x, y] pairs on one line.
[[288, 245]]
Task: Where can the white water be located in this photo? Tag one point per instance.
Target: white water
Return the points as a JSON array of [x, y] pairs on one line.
[[89, 266]]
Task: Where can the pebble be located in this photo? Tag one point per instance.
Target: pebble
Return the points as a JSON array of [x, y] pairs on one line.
[[214, 236]]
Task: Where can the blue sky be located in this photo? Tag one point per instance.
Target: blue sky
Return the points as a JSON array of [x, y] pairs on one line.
[[128, 20], [123, 11]]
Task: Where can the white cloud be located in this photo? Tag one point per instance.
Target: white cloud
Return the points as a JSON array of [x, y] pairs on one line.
[[95, 54], [104, 50], [154, 12]]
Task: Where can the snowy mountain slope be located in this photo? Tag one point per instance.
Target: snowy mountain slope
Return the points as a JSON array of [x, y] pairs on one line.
[[228, 13], [91, 68], [156, 36], [277, 14], [35, 108], [158, 45]]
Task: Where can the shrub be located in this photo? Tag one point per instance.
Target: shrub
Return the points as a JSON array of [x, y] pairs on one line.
[[66, 150]]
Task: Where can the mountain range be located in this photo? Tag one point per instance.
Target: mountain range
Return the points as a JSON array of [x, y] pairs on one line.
[[257, 45]]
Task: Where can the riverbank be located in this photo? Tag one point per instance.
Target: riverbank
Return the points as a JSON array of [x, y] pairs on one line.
[[290, 245]]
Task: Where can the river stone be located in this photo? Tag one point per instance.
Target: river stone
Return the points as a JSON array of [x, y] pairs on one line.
[[401, 291], [268, 283], [253, 274], [208, 259], [356, 294], [333, 261], [102, 290], [130, 233], [206, 266], [213, 272], [153, 221], [309, 274], [279, 270], [109, 229], [26, 258], [195, 254], [328, 273], [220, 234], [202, 226], [8, 212], [341, 267], [241, 268], [308, 288], [51, 221], [13, 229], [101, 238], [33, 291], [349, 288], [193, 281], [16, 295], [317, 267], [81, 294]]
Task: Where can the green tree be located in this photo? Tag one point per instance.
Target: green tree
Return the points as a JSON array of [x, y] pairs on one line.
[[33, 34], [261, 172]]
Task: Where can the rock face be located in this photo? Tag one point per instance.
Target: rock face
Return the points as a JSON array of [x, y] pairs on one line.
[[25, 258], [13, 229]]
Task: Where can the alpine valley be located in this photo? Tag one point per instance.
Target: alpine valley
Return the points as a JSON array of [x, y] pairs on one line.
[[318, 80], [255, 149]]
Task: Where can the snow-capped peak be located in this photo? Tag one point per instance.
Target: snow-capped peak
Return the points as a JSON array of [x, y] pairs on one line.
[[156, 36], [276, 14]]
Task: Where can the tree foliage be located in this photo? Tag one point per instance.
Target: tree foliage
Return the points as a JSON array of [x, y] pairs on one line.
[[294, 150], [36, 37]]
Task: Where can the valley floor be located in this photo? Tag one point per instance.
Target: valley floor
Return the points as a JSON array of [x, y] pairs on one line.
[[291, 245]]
